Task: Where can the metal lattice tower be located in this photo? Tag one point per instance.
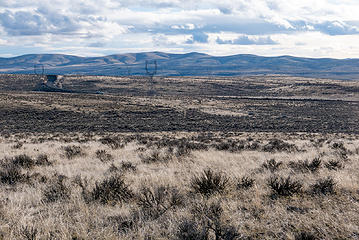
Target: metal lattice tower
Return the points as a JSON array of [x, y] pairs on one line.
[[39, 70], [151, 71]]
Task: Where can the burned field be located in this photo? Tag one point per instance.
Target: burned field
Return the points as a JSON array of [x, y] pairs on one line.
[[269, 157], [191, 105], [47, 113]]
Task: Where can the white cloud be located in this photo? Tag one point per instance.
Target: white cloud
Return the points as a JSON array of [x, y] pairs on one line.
[[113, 26], [247, 40]]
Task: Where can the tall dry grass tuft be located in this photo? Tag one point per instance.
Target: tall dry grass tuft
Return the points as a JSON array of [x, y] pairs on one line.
[[207, 187]]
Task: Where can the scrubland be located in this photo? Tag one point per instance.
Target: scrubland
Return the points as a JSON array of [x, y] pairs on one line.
[[180, 186], [254, 157]]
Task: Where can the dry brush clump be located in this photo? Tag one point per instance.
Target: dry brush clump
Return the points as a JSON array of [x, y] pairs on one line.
[[73, 151], [306, 166], [272, 165], [245, 182], [16, 169], [207, 222], [57, 190], [205, 193], [284, 186], [157, 156], [324, 186], [334, 164], [114, 143], [103, 156], [154, 202], [210, 182], [11, 175], [279, 145], [111, 190]]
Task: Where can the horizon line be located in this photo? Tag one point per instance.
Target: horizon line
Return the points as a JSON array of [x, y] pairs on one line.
[[274, 56]]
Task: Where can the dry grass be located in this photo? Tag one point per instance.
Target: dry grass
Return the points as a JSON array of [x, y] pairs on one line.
[[59, 197]]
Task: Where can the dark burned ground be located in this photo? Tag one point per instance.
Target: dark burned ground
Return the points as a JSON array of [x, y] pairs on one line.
[[33, 112]]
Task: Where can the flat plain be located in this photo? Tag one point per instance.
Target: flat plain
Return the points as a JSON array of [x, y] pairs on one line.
[[255, 157]]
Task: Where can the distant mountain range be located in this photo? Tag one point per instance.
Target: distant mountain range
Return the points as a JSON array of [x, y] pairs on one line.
[[189, 64]]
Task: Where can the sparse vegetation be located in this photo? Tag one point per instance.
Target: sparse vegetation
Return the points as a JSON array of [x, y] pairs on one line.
[[128, 166], [324, 186], [272, 165], [156, 156], [198, 162], [23, 161], [278, 145], [11, 175], [305, 236], [192, 196], [245, 183], [57, 190], [333, 164], [73, 151], [111, 190], [114, 143], [306, 166], [284, 186], [103, 156], [156, 202], [210, 182]]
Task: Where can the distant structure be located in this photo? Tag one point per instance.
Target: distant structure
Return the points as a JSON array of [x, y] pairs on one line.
[[54, 81], [51, 78], [151, 71], [128, 70], [49, 82], [39, 69]]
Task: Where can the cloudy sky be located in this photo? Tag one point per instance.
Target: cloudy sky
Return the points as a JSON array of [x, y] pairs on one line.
[[307, 28]]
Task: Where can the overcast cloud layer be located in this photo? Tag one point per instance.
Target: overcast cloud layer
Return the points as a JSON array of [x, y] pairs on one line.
[[307, 28]]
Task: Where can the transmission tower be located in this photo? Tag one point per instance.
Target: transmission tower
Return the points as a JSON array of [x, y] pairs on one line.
[[39, 70], [151, 71]]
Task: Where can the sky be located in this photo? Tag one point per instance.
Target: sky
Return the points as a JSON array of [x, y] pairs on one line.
[[304, 28]]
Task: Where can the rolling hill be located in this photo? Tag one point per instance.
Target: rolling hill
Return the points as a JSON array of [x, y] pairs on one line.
[[189, 64]]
